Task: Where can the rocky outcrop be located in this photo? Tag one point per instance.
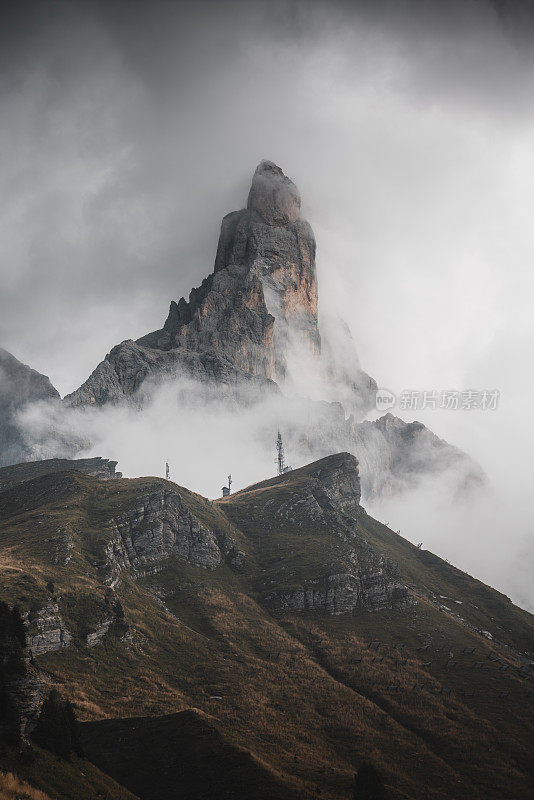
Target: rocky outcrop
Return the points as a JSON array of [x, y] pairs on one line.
[[26, 693], [263, 289], [113, 620], [275, 244], [21, 685], [97, 636], [50, 631], [246, 320], [161, 527], [19, 385], [374, 588], [330, 486], [325, 497], [338, 479], [132, 370], [370, 583], [396, 455], [101, 468]]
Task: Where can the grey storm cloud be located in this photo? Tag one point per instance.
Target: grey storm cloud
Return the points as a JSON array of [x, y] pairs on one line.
[[128, 129]]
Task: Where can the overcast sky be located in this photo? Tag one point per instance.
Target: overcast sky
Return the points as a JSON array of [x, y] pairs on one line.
[[129, 129]]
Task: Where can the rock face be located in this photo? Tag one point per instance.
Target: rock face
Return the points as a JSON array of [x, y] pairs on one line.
[[273, 199], [338, 478], [345, 593], [21, 684], [271, 240], [160, 527], [325, 496], [26, 693], [333, 484], [51, 633], [256, 311], [96, 637], [395, 455], [344, 380], [19, 385]]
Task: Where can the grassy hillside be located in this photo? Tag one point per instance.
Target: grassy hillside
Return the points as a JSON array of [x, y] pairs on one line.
[[442, 710], [13, 788], [428, 575], [156, 755], [43, 776]]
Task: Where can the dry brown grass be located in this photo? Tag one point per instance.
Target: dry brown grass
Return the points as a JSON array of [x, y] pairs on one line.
[[11, 788], [314, 713]]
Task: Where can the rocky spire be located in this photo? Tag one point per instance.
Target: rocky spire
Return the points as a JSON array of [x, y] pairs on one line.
[[249, 319], [262, 296], [273, 198]]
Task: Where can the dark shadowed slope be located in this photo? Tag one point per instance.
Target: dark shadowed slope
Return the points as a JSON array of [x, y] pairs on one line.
[[179, 755], [77, 779]]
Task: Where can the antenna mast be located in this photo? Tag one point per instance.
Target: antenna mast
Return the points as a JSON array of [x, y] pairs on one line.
[[226, 489], [167, 471], [281, 457]]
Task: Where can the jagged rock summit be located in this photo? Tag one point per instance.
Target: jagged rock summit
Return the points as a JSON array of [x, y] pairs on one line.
[[245, 320], [263, 287], [273, 199]]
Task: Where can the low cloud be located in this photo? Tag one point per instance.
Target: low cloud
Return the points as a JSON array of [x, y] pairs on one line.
[[206, 432]]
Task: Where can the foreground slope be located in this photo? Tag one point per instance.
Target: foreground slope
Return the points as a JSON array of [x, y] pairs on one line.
[[308, 634], [156, 755], [44, 776]]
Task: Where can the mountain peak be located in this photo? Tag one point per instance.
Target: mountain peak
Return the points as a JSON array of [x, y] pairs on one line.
[[273, 198], [240, 323], [336, 475]]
